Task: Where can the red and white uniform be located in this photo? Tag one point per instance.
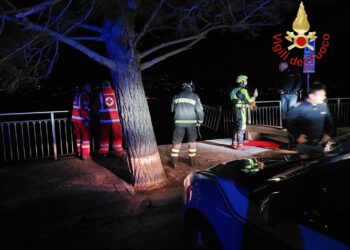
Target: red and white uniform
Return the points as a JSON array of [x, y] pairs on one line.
[[106, 104], [81, 115]]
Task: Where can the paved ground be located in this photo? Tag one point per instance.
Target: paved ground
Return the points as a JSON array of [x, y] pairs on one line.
[[73, 204]]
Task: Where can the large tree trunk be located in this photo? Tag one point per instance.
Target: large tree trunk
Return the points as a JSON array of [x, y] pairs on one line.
[[138, 135]]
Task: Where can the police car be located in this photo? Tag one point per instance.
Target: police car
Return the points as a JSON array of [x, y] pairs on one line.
[[281, 202]]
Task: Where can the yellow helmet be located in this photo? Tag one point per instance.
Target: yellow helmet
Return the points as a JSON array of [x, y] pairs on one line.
[[241, 78]]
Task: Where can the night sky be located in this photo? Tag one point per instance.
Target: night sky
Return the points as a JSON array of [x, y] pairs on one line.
[[214, 63], [217, 60]]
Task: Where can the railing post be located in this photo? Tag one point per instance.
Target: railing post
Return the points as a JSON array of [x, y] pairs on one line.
[[338, 112], [219, 120], [249, 116], [53, 127], [280, 110]]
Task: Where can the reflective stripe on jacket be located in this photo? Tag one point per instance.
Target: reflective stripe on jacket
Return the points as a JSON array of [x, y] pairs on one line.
[[187, 108], [81, 109], [107, 106], [241, 98]]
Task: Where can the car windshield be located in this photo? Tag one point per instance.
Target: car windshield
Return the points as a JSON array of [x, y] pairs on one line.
[[252, 172], [257, 172]]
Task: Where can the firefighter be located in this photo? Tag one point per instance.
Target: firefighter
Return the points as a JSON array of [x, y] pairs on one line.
[[310, 121], [81, 121], [188, 115], [241, 100], [110, 127]]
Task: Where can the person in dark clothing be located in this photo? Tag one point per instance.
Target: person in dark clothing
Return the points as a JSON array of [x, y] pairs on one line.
[[310, 121], [241, 100], [289, 83], [188, 114]]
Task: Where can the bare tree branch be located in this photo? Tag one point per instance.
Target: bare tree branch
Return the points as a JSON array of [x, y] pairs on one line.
[[148, 23], [88, 52], [91, 27], [197, 38], [166, 44], [231, 12], [87, 38], [47, 25], [174, 27], [36, 8], [260, 6], [51, 63], [18, 49], [156, 60]]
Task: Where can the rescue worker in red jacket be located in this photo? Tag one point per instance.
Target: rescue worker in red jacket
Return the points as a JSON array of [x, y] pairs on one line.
[[81, 121], [106, 108]]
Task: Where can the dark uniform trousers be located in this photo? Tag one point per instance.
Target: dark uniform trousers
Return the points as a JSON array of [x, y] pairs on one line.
[[178, 135], [180, 130], [239, 124]]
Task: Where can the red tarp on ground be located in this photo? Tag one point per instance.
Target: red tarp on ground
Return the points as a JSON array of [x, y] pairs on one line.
[[264, 144]]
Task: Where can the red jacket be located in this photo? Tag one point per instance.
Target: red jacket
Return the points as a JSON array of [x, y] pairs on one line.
[[81, 110], [106, 106]]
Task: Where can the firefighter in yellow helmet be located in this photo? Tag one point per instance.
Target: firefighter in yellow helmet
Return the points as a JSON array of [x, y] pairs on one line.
[[241, 100]]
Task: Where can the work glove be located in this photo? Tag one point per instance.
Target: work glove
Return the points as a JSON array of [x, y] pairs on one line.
[[199, 123], [256, 93]]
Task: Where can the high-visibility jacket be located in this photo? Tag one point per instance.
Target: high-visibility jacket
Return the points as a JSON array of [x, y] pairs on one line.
[[81, 109], [187, 108], [241, 98], [106, 106]]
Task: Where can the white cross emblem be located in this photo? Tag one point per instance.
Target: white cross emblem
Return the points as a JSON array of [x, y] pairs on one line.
[[109, 101]]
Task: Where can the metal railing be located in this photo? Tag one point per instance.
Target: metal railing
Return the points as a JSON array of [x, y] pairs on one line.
[[35, 135], [212, 117], [227, 118], [267, 113], [38, 135], [340, 109]]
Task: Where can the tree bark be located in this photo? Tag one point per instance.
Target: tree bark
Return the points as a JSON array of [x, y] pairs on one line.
[[138, 135]]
